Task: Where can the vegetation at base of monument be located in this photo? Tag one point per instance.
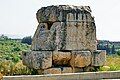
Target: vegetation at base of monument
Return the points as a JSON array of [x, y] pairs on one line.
[[112, 63], [10, 57]]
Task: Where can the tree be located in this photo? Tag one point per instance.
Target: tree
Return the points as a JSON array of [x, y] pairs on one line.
[[113, 49], [3, 37], [27, 40]]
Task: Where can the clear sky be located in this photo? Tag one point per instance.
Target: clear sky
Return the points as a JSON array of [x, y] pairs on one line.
[[19, 16]]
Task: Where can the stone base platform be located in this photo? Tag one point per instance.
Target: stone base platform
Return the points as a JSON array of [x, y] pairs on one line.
[[57, 62]]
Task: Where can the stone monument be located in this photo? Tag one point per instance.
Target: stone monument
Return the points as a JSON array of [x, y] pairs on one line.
[[65, 41]]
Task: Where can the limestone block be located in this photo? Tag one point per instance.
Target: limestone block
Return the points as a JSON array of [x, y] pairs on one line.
[[40, 71], [66, 70], [80, 58], [61, 13], [71, 37], [77, 70], [55, 70], [78, 36], [61, 58], [27, 58], [51, 39], [65, 36], [52, 71], [99, 58], [38, 59], [42, 59], [41, 39], [58, 35]]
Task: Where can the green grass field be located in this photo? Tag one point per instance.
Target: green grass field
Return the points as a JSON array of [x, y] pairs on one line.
[[112, 63]]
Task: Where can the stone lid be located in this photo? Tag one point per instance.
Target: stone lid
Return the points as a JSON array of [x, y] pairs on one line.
[[56, 13]]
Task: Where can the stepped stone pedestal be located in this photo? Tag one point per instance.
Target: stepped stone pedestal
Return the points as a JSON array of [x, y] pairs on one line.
[[65, 41]]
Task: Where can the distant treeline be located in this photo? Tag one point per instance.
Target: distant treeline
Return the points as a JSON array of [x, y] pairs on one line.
[[111, 47], [26, 40]]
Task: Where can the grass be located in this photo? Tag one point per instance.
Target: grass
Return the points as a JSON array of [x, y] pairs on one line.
[[112, 63]]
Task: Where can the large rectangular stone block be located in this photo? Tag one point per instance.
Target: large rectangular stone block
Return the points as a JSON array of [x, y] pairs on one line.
[[66, 70], [75, 36], [65, 36], [77, 70], [99, 58], [41, 39], [62, 13], [61, 58], [80, 37], [55, 70], [27, 58], [42, 59], [38, 59], [52, 71], [80, 58]]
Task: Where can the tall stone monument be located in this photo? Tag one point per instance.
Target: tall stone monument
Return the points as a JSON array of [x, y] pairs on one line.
[[65, 41]]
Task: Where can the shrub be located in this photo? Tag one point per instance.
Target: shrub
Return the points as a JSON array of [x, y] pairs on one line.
[[20, 69], [27, 40]]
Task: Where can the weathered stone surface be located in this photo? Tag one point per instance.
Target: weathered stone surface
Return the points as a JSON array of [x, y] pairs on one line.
[[77, 70], [55, 70], [70, 33], [80, 37], [61, 58], [41, 39], [99, 58], [40, 71], [62, 13], [65, 27], [27, 58], [80, 58], [57, 37], [52, 71], [66, 70], [38, 59]]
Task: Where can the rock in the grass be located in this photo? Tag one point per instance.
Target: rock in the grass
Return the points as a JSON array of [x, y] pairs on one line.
[[99, 58], [52, 71], [80, 58], [61, 58], [63, 13], [105, 68], [38, 59], [66, 70]]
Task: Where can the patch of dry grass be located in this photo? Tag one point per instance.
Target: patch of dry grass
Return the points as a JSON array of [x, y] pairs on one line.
[[113, 62]]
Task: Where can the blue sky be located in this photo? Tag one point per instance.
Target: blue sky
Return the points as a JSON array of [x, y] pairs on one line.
[[18, 17]]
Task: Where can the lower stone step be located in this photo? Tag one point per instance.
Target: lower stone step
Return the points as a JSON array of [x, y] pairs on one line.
[[60, 70]]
